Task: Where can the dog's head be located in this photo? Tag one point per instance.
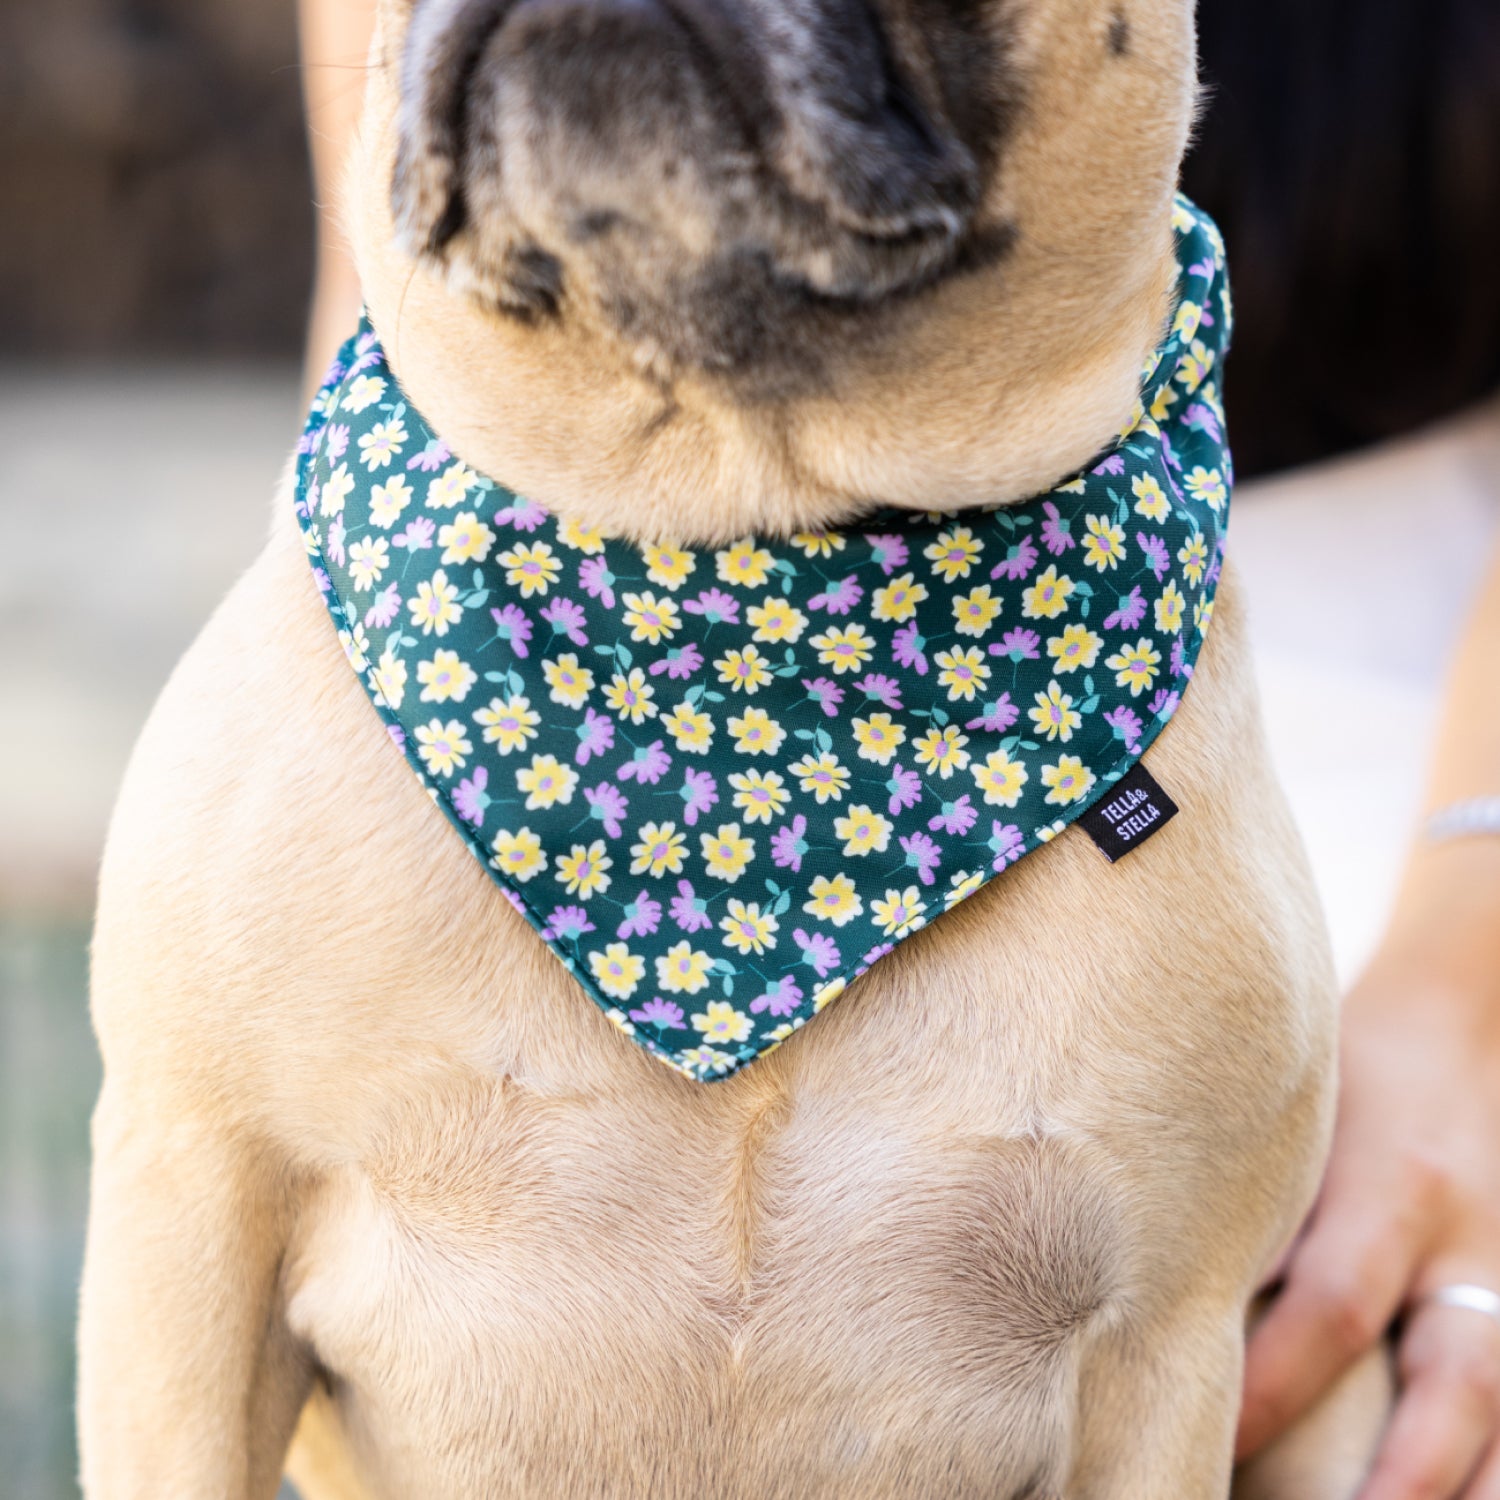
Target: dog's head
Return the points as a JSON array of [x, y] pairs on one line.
[[702, 266]]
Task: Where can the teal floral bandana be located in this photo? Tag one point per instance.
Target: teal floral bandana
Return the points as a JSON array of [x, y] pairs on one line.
[[721, 784]]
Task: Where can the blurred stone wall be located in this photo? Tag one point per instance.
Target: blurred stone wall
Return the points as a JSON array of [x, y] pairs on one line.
[[154, 187]]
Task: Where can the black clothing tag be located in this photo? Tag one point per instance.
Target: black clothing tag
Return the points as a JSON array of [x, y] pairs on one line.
[[1128, 814]]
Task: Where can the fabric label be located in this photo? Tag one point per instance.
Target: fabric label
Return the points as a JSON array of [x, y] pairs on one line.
[[1129, 815]]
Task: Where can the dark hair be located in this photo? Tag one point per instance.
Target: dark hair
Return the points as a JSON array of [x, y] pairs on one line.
[[1350, 150]]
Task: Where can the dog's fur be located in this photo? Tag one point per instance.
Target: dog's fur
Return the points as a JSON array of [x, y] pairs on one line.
[[365, 1155]]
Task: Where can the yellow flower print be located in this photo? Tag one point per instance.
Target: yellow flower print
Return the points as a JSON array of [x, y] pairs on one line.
[[776, 620], [834, 900], [620, 1019], [845, 648], [1054, 714], [1069, 780], [508, 722], [465, 539], [726, 852], [1203, 612], [721, 1022], [745, 671], [668, 567], [744, 565], [1000, 779], [356, 644], [659, 850], [1189, 320], [444, 748], [435, 606], [690, 728], [818, 543], [683, 969], [368, 559], [879, 738], [1135, 666], [631, 697], [1150, 498], [756, 732], [963, 670], [363, 391], [1169, 608], [863, 830], [963, 885], [381, 443], [546, 782], [1207, 486], [446, 678], [450, 487], [583, 870], [747, 929], [531, 567], [942, 750], [975, 611], [570, 684], [760, 795], [1076, 647], [1194, 365], [617, 970], [388, 500], [1193, 556], [650, 619], [519, 854], [953, 554], [574, 533], [822, 775], [898, 600], [1162, 403], [828, 994], [1048, 596], [898, 913], [1104, 543], [389, 677]]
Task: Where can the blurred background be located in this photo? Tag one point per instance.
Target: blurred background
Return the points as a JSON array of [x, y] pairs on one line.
[[156, 254]]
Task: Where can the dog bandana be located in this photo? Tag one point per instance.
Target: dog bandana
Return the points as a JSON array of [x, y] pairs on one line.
[[720, 784]]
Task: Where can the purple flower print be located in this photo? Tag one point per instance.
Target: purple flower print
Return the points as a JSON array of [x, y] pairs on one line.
[[1018, 561], [884, 690], [566, 618], [397, 734], [514, 898], [1126, 724], [699, 793], [386, 607], [1006, 844], [1114, 464], [417, 537], [1169, 453], [470, 800], [717, 607], [1164, 704], [334, 544], [595, 735], [567, 924], [825, 692], [838, 598], [607, 803], [1177, 659], [997, 717], [907, 646], [1155, 551], [888, 552], [1201, 418], [323, 581], [431, 458], [596, 580], [659, 1012], [819, 951], [512, 626], [679, 663], [642, 917], [1057, 534], [923, 854], [523, 514], [905, 788], [1216, 565], [879, 951], [788, 846], [956, 817], [647, 765], [1019, 645], [1130, 613], [336, 441], [781, 998], [689, 910]]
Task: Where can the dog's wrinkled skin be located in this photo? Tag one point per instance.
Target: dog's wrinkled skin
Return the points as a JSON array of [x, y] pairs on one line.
[[367, 1158]]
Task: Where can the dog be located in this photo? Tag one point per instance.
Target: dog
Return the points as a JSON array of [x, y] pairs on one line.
[[378, 1193]]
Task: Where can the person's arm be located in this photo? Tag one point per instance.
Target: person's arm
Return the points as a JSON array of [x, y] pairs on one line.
[[1411, 1199], [335, 51]]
